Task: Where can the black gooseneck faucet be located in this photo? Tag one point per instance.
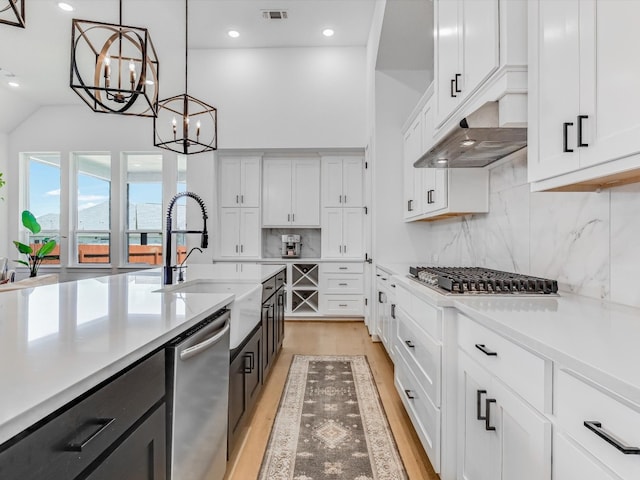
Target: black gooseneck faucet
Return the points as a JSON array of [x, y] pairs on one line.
[[204, 242]]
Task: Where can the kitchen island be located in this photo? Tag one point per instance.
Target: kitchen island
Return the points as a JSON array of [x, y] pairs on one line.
[[59, 341]]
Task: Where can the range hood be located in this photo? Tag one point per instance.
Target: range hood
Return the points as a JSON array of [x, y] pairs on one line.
[[476, 142]]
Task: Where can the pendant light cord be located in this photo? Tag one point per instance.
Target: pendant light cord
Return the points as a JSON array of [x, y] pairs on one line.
[[186, 44], [120, 21]]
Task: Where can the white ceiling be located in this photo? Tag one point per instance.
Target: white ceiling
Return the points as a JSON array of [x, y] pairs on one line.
[[39, 55]]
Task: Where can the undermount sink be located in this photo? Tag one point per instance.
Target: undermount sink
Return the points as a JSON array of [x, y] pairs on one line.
[[245, 309]]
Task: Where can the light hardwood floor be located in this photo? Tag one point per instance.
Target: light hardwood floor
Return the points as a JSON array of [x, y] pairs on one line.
[[327, 338]]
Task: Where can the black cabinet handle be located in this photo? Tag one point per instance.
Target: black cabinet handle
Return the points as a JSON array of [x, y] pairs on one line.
[[487, 403], [565, 133], [409, 394], [409, 205], [479, 394], [393, 310], [409, 344], [580, 119], [485, 350], [380, 297], [101, 423], [268, 288], [457, 77], [596, 427], [248, 368], [453, 95]]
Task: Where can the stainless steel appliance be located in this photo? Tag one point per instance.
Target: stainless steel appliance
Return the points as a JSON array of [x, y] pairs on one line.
[[291, 246], [198, 367], [482, 281]]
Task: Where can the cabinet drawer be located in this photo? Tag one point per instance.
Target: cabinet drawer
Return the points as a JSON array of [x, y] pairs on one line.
[[429, 318], [421, 353], [351, 267], [341, 304], [571, 463], [353, 284], [268, 288], [425, 416], [281, 279], [522, 370], [577, 402], [68, 443]]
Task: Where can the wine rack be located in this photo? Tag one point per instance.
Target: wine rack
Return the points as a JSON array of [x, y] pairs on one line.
[[304, 288]]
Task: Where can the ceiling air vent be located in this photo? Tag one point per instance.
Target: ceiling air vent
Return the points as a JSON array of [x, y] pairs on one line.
[[275, 14]]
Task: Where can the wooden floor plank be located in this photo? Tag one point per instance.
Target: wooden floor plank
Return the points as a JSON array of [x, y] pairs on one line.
[[327, 338]]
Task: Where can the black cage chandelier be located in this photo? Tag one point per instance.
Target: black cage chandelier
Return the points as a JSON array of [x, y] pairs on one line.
[[114, 68], [183, 123], [12, 12]]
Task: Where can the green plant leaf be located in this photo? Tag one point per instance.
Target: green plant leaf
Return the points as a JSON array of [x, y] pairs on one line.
[[22, 248], [46, 249], [30, 222], [22, 262]]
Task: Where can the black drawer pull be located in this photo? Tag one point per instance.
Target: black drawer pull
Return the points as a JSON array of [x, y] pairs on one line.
[[453, 95], [580, 119], [565, 133], [393, 311], [457, 77], [342, 268], [479, 394], [409, 344], [485, 350], [268, 288], [343, 305], [487, 425], [409, 394], [101, 423], [248, 368], [343, 284], [596, 427]]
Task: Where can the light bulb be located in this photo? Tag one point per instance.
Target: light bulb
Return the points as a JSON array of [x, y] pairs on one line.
[[132, 66], [328, 32], [107, 60], [233, 33]]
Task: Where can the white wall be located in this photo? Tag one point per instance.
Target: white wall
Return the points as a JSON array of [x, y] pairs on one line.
[[284, 97], [4, 192], [395, 240]]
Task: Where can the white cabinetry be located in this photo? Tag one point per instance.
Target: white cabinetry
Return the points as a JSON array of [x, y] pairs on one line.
[[413, 177], [502, 391], [342, 232], [466, 49], [240, 232], [342, 182], [584, 131], [386, 311], [342, 289], [291, 192], [239, 181]]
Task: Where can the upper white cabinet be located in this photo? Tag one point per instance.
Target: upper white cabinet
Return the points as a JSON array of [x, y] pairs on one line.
[[342, 232], [239, 181], [413, 177], [342, 182], [291, 192], [467, 49], [584, 131]]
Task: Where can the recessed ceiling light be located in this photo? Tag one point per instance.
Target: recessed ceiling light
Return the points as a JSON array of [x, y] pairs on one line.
[[233, 33], [328, 32], [14, 84], [65, 6]]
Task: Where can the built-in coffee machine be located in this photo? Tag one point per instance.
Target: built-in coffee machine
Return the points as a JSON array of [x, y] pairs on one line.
[[291, 246]]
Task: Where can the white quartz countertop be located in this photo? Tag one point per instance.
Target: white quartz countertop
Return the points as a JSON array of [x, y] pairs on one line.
[[598, 339], [58, 341]]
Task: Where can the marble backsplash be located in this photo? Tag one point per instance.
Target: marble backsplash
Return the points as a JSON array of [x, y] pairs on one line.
[[272, 241], [587, 241]]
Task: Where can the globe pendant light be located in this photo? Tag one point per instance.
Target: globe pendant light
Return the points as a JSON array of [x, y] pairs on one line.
[[12, 12], [183, 123], [114, 68]]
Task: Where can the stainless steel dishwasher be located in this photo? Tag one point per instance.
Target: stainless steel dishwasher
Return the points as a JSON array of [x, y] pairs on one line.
[[198, 396]]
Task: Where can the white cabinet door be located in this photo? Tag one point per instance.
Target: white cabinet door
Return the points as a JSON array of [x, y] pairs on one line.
[[436, 190], [447, 55], [571, 463], [353, 232], [230, 175], [305, 179], [352, 182], [276, 192], [250, 232], [331, 232], [413, 177], [229, 232], [480, 43], [250, 182], [609, 73], [332, 182], [478, 448], [554, 95]]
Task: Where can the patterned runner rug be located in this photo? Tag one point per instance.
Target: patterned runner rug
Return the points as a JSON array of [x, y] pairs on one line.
[[331, 425]]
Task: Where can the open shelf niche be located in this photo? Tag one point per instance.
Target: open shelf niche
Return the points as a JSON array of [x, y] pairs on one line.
[[304, 287]]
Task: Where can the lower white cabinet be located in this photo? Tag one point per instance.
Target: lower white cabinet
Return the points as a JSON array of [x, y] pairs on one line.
[[500, 435], [570, 462], [341, 289], [240, 232]]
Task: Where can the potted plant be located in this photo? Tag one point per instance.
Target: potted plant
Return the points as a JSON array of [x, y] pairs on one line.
[[34, 258], [2, 184]]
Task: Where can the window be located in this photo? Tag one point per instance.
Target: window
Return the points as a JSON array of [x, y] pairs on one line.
[[43, 200], [92, 235], [144, 208]]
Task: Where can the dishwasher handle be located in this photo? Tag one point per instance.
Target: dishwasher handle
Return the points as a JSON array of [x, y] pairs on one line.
[[209, 342]]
